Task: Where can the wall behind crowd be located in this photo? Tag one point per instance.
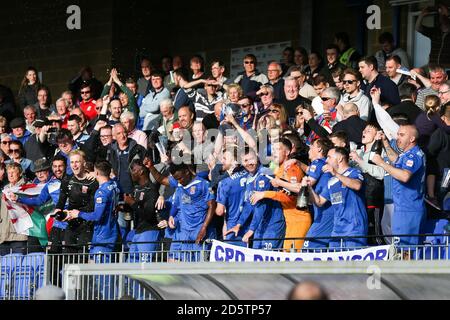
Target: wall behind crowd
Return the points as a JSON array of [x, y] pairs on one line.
[[35, 33], [120, 32]]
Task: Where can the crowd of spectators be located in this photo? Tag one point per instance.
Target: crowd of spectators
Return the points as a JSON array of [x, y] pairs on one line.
[[192, 155]]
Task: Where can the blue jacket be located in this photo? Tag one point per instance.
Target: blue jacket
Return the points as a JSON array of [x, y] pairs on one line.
[[26, 136], [105, 222], [50, 191]]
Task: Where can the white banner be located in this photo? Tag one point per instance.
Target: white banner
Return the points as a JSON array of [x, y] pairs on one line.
[[223, 252]]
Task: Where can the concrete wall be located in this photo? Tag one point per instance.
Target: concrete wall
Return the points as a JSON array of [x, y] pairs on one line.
[[34, 33], [119, 32]]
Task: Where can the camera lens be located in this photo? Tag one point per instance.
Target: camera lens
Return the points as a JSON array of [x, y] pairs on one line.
[[60, 216]]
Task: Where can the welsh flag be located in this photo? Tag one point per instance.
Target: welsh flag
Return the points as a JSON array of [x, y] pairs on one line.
[[28, 220]]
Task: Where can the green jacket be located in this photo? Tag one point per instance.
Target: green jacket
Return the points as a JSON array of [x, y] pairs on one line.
[[132, 105]]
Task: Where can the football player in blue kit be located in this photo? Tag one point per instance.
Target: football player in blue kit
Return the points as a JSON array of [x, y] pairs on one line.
[[322, 226], [229, 195], [408, 172], [345, 192], [196, 204], [266, 217]]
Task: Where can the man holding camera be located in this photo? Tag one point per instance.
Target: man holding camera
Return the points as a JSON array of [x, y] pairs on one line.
[[79, 191], [35, 147]]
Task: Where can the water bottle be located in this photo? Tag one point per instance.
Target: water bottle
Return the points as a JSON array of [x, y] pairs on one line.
[[377, 148], [302, 199]]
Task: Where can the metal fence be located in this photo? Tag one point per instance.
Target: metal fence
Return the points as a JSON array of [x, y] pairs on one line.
[[22, 275]]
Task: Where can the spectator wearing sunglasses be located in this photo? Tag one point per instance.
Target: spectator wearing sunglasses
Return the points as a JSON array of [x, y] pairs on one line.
[[17, 156], [279, 113], [351, 81], [5, 142], [250, 79], [88, 104], [323, 126]]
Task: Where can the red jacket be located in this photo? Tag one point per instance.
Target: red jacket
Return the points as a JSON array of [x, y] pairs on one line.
[[88, 109], [64, 121]]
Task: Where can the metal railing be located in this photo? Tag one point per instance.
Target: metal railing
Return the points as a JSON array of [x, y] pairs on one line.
[[22, 275]]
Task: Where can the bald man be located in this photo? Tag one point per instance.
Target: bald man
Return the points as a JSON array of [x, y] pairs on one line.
[[352, 124], [308, 290], [408, 172]]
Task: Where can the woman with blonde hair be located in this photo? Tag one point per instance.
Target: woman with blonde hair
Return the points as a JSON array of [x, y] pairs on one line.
[[300, 125], [266, 122], [268, 131], [278, 111], [429, 121], [234, 93], [426, 124]]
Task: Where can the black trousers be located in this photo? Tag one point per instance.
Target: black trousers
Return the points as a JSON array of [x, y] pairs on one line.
[[375, 215], [77, 236], [56, 240], [8, 247], [33, 245]]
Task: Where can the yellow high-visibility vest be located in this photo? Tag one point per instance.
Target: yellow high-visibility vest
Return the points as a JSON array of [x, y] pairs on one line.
[[345, 57]]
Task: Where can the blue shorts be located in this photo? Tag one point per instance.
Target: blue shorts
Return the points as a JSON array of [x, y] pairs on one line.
[[322, 228], [276, 235], [187, 250], [348, 243], [144, 252], [408, 222], [236, 240], [100, 254]]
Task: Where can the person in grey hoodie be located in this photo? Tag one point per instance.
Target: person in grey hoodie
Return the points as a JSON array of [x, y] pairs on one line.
[[352, 80], [149, 111]]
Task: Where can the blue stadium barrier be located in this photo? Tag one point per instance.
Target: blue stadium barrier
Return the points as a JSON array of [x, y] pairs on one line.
[[10, 263], [29, 276]]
